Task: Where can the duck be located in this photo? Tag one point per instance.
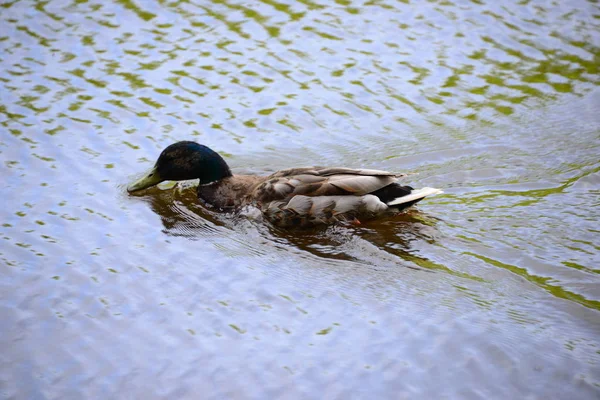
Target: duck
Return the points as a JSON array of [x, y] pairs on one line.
[[294, 197]]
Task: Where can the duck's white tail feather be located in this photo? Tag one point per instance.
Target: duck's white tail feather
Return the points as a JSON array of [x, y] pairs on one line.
[[414, 195]]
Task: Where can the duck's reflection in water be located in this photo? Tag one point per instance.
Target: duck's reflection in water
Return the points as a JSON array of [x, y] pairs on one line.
[[182, 214], [378, 243]]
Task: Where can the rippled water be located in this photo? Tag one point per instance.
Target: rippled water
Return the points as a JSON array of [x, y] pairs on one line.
[[489, 291]]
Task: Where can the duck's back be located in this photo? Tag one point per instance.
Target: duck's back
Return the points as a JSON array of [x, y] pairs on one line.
[[317, 195]]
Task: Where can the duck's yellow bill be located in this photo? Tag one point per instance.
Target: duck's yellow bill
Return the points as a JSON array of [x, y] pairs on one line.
[[149, 179]]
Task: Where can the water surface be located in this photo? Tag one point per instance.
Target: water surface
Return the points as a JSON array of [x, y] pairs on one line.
[[488, 291]]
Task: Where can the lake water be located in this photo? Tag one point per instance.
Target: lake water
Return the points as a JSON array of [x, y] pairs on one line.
[[491, 290]]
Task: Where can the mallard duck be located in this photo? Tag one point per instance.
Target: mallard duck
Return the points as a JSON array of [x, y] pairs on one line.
[[292, 197]]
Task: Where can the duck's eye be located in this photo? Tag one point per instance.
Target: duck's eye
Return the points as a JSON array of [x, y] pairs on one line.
[[150, 176]]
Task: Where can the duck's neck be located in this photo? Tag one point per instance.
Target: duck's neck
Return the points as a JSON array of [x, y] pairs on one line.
[[229, 193]]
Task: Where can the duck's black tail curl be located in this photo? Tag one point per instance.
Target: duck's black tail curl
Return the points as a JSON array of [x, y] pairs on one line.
[[401, 197]]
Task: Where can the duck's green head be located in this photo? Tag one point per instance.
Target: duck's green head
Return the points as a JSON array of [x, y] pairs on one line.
[[182, 161]]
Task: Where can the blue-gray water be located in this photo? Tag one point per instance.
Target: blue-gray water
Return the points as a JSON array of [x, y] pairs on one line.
[[488, 291]]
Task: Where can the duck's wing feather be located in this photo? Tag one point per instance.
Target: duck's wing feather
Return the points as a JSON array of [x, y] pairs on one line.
[[320, 181], [329, 171], [310, 210]]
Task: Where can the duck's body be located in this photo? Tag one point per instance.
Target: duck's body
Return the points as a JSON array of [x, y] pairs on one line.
[[293, 197]]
